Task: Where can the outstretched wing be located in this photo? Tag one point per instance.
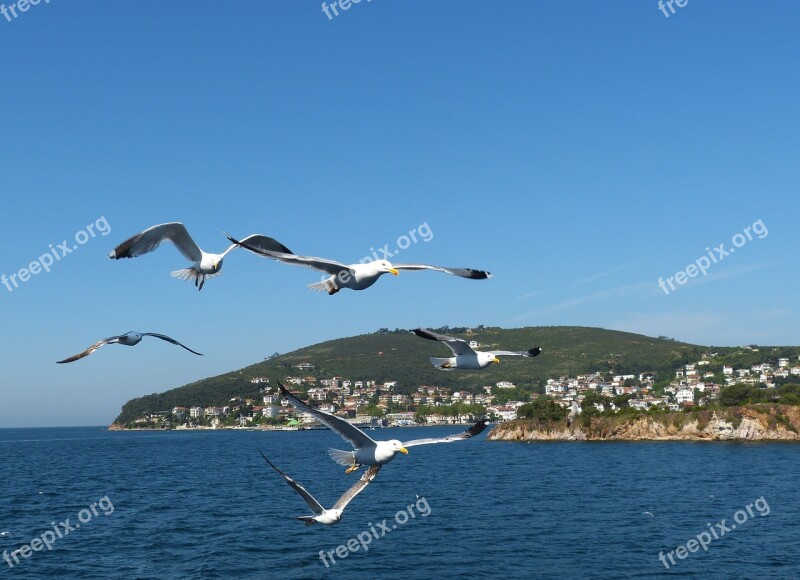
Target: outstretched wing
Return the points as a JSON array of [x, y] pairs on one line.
[[263, 244], [329, 266], [148, 240], [310, 500], [459, 346], [363, 482], [536, 351], [476, 429], [90, 350], [172, 340], [463, 272], [347, 431]]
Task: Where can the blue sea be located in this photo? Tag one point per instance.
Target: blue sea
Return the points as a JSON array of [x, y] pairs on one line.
[[204, 504]]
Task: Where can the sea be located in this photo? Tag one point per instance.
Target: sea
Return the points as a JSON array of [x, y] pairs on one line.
[[85, 502]]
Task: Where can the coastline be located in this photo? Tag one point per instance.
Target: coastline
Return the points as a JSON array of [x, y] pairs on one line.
[[749, 423]]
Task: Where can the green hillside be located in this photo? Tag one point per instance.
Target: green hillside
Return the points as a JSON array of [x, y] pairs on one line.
[[401, 356]]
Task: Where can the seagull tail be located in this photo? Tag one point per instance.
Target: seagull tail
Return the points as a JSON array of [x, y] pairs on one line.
[[325, 285], [344, 458], [309, 520], [184, 274]]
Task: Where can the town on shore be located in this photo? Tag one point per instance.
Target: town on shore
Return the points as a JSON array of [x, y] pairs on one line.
[[370, 405]]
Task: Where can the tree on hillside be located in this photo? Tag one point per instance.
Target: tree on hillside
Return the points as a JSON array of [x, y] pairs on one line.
[[543, 409]]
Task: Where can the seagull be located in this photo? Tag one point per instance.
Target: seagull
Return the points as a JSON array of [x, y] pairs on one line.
[[322, 515], [203, 264], [353, 276], [128, 339], [465, 357], [367, 451]]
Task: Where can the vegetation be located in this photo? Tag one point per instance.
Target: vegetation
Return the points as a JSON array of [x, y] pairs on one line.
[[542, 409]]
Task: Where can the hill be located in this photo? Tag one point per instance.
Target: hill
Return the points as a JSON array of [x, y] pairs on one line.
[[400, 356]]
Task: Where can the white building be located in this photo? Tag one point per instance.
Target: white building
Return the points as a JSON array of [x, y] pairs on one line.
[[685, 396]]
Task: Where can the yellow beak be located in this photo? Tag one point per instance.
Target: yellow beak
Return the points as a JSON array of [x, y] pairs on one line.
[[403, 450], [496, 360], [394, 271]]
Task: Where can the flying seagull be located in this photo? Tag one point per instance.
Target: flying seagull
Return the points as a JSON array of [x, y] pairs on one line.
[[128, 339], [203, 264], [321, 515], [367, 451], [465, 357], [354, 276]]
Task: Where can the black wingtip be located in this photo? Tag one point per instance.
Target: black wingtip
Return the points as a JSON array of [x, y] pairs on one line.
[[231, 238], [422, 333], [535, 351]]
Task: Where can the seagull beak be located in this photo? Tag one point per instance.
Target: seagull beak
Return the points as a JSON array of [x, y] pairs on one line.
[[495, 360], [394, 271], [403, 450]]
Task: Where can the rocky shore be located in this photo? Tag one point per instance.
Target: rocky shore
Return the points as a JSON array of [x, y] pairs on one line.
[[751, 423]]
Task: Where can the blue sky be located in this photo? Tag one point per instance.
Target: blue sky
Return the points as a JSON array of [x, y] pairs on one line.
[[578, 150]]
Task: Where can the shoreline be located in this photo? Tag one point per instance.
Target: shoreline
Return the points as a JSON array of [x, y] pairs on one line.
[[748, 423]]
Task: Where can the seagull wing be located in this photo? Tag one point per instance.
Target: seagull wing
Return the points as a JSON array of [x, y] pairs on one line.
[[536, 351], [356, 488], [476, 429], [463, 272], [258, 242], [459, 346], [347, 431], [91, 349], [172, 340], [263, 243], [151, 238], [331, 267], [310, 500]]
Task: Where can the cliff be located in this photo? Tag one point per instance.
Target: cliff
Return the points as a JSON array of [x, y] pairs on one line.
[[751, 423]]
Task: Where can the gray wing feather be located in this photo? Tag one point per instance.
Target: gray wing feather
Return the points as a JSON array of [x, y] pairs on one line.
[[90, 350], [329, 266], [310, 500], [459, 346], [536, 351], [148, 240], [263, 243], [347, 431], [463, 272], [476, 429], [172, 340], [356, 488]]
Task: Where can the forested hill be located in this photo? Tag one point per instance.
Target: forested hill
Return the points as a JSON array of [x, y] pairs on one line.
[[401, 356]]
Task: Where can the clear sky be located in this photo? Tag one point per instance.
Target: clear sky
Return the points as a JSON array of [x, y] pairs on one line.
[[579, 151]]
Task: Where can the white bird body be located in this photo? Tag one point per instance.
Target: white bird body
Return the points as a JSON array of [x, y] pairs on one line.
[[203, 264], [356, 277], [465, 356], [367, 451]]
